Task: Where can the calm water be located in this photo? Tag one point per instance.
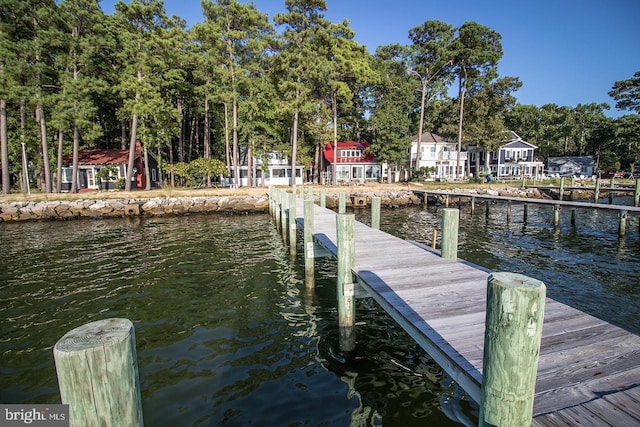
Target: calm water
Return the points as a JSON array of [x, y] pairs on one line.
[[227, 334]]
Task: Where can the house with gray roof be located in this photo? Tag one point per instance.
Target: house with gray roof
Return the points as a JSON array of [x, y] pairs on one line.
[[581, 166]]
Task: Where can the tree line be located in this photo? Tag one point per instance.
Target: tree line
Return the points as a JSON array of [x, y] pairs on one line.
[[239, 85]]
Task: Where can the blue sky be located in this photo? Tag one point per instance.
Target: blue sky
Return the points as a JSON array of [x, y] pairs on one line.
[[566, 52]]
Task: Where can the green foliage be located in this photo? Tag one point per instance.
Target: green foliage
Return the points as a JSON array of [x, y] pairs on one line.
[[197, 171], [626, 93]]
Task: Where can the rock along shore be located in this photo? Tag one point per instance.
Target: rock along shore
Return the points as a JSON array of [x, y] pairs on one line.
[[171, 206], [228, 205]]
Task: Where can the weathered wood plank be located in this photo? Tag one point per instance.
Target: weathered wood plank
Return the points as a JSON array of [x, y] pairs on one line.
[[588, 370]]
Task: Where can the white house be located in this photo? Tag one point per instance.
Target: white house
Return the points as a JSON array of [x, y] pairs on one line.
[[571, 166], [439, 154]]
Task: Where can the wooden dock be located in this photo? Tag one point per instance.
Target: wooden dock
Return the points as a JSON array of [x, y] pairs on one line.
[[588, 372]]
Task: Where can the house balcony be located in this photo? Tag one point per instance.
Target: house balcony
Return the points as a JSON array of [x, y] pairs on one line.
[[445, 155], [358, 159]]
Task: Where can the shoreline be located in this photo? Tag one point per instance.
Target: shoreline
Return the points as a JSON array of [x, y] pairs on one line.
[[99, 205]]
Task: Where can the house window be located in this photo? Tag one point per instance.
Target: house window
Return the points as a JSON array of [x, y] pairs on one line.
[[90, 179], [357, 172], [432, 152], [278, 173], [342, 172], [67, 174], [372, 172]]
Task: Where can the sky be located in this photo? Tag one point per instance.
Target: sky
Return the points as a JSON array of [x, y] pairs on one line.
[[565, 52]]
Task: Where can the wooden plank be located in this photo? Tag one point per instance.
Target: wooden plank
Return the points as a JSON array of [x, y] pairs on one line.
[[587, 368]]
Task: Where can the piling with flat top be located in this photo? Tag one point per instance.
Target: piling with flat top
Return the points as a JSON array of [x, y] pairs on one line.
[[508, 210], [97, 370], [596, 191], [561, 192], [342, 202], [556, 215], [573, 216], [293, 226], [622, 224], [513, 330], [346, 251], [308, 243], [636, 194], [323, 198], [434, 239], [525, 212], [473, 205], [375, 213], [449, 244]]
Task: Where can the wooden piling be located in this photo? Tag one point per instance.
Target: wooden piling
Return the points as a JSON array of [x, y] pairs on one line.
[[293, 226], [346, 249], [508, 210], [513, 331], [449, 243], [525, 212], [556, 215], [284, 209], [446, 201], [97, 370], [308, 243], [622, 223], [375, 212], [310, 193], [561, 191], [596, 192], [487, 210], [276, 217], [636, 194], [434, 239], [342, 202], [473, 205], [573, 216], [323, 198]]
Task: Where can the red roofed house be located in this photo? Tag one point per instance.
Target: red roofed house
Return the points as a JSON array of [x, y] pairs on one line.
[[91, 161], [353, 163]]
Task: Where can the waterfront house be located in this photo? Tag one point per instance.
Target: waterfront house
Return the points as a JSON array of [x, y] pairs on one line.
[[581, 166], [515, 158], [272, 169], [91, 161], [438, 155], [353, 162]]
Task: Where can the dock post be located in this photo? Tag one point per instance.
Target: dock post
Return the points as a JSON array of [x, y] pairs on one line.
[[425, 200], [573, 181], [556, 215], [622, 225], [473, 205], [375, 212], [308, 244], [97, 370], [323, 198], [293, 226], [271, 200], [612, 185], [561, 191], [513, 331], [525, 212], [434, 239], [449, 244], [346, 250], [342, 202], [310, 193], [284, 211], [446, 201], [508, 210], [573, 216], [596, 193], [487, 212], [276, 218], [636, 194]]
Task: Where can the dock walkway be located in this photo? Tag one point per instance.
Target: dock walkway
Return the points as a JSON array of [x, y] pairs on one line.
[[588, 372]]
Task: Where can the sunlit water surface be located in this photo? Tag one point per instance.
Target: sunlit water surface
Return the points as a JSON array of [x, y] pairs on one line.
[[227, 334]]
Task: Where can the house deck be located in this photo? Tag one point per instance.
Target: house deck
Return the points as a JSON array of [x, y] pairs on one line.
[[588, 372]]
